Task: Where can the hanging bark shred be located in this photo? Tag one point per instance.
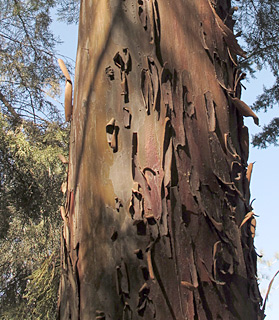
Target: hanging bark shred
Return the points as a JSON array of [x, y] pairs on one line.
[[253, 224], [239, 76], [244, 109], [149, 18], [124, 63], [230, 148], [231, 57], [150, 266], [188, 285], [150, 86], [63, 214], [68, 100], [249, 172], [248, 216], [68, 90], [64, 187], [64, 69], [63, 159], [164, 228], [228, 35]]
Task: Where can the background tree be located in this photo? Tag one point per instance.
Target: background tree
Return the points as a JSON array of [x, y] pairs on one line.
[[31, 176], [28, 64], [258, 23], [158, 222], [32, 137]]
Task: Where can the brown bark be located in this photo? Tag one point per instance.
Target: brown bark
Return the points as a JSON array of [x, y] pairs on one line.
[[157, 186]]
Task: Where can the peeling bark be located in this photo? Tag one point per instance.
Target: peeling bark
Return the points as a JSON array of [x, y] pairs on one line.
[[157, 222]]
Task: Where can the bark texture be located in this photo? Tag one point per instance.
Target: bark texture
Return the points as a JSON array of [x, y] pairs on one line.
[[157, 186]]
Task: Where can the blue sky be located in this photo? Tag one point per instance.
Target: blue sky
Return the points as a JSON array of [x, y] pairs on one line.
[[264, 183], [264, 188]]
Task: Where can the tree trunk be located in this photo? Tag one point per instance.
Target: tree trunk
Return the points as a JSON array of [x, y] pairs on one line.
[[157, 186]]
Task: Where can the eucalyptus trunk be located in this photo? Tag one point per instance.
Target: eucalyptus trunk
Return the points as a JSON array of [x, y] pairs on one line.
[[154, 222]]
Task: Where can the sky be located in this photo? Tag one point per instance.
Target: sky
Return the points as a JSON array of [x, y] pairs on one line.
[[264, 189], [264, 182]]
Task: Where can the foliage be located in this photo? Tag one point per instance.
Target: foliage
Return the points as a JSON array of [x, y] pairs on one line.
[[26, 268], [31, 138], [30, 169], [43, 287], [258, 20], [269, 135], [31, 175], [268, 268], [69, 10], [27, 59]]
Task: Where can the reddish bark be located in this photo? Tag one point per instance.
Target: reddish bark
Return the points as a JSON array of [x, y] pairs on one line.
[[157, 186]]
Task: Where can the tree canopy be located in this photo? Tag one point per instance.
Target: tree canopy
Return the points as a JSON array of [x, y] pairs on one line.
[[32, 136], [28, 67], [258, 25], [31, 176]]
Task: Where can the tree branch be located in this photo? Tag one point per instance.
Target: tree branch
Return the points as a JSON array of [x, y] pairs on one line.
[[9, 106]]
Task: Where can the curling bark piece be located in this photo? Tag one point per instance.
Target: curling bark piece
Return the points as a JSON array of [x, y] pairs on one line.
[[253, 224], [68, 101], [249, 172], [248, 216], [63, 159], [244, 109], [111, 134], [68, 91], [228, 35], [63, 187], [188, 285], [64, 69], [63, 214]]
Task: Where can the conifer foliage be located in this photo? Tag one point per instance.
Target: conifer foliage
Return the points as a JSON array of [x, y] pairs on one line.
[[31, 176], [27, 61], [258, 22], [32, 137]]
